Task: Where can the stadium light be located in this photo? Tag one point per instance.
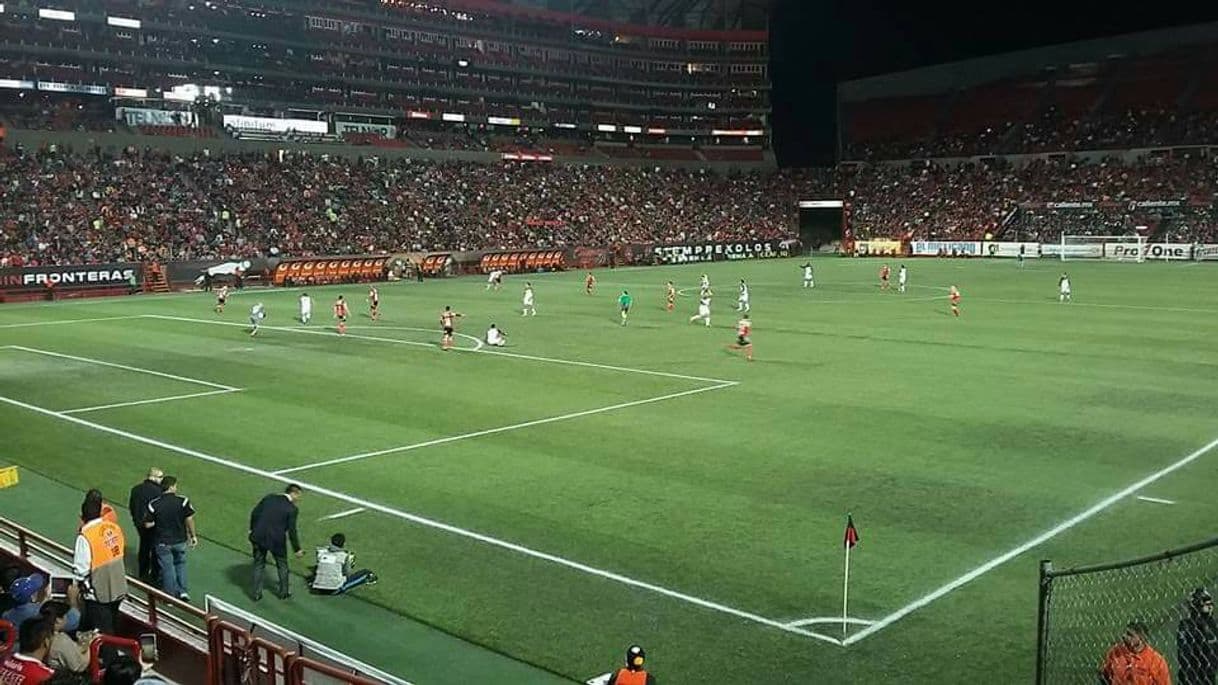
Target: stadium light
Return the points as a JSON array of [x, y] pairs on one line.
[[58, 15], [463, 63], [123, 22]]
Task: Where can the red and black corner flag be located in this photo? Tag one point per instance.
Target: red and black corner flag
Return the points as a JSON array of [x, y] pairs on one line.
[[852, 534]]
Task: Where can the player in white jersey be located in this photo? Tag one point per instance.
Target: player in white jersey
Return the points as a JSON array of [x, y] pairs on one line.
[[1063, 288], [703, 310], [526, 302], [704, 284], [257, 314], [495, 337], [494, 279], [808, 283], [742, 301], [306, 308], [902, 277]]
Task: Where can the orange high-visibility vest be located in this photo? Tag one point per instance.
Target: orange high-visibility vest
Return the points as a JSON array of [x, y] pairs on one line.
[[107, 514], [626, 676], [106, 543]]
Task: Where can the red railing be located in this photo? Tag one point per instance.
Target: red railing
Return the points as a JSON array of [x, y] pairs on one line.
[[95, 665]]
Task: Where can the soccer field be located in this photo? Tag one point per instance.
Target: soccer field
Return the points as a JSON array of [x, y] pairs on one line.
[[593, 485]]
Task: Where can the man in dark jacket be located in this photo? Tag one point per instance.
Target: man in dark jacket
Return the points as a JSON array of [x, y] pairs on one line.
[[1197, 641], [137, 505], [272, 525]]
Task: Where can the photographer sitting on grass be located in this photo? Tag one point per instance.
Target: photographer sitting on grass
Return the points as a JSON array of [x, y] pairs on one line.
[[333, 574]]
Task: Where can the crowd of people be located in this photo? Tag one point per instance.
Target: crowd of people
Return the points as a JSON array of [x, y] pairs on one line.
[[58, 207]]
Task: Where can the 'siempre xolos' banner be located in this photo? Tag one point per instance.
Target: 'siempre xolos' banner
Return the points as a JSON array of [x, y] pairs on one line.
[[68, 276], [714, 252]]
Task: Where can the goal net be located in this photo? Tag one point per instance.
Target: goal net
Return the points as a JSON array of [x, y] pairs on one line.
[[1084, 612], [1121, 248]]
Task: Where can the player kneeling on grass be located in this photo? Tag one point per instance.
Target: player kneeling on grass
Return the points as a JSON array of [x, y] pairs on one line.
[[495, 337], [257, 314], [744, 328], [334, 572]]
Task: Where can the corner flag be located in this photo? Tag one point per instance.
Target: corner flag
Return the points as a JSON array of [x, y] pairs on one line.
[[852, 534]]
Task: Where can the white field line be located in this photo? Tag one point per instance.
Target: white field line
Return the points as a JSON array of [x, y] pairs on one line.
[[137, 369], [431, 523], [154, 400], [500, 429], [830, 620], [497, 353], [1099, 305], [342, 514], [316, 331], [1034, 542], [1156, 500], [60, 322]]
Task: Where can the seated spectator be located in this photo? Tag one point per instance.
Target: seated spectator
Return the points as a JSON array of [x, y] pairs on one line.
[[7, 575], [66, 653], [125, 669], [30, 593], [333, 574], [27, 666]]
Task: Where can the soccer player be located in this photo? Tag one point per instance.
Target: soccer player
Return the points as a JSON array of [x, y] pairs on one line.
[[902, 277], [1021, 256], [448, 319], [624, 301], [221, 298], [526, 302], [306, 308], [341, 313], [257, 314], [744, 328], [374, 303], [953, 294], [589, 283], [1063, 288], [704, 313], [742, 301], [670, 296], [884, 272], [808, 283], [495, 337], [495, 279], [704, 284]]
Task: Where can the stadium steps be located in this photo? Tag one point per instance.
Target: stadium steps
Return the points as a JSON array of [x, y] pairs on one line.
[[154, 278], [412, 649]]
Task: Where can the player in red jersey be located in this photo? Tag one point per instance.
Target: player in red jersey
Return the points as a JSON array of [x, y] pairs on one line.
[[670, 296], [374, 303], [744, 328], [221, 298], [589, 283], [884, 273], [341, 313], [447, 322], [953, 294]]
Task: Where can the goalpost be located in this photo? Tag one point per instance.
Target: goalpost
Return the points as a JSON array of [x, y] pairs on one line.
[[1120, 248]]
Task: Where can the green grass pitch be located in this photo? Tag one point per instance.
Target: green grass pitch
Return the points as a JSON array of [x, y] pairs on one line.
[[601, 485]]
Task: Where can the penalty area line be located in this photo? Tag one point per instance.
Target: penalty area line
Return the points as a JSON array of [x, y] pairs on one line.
[[500, 429], [431, 523], [1034, 542]]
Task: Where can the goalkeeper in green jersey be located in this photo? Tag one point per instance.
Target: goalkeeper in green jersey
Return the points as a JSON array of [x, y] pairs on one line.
[[624, 301]]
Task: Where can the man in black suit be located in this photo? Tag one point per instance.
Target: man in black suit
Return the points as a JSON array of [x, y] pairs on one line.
[[272, 524], [137, 505]]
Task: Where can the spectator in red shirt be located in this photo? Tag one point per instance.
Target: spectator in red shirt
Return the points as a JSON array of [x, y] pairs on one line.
[[26, 666]]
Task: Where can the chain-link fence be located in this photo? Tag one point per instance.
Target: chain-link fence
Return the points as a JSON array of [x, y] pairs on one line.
[[1085, 613]]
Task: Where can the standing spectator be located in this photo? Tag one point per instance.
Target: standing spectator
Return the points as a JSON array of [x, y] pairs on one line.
[[172, 520], [65, 653], [137, 504], [97, 565], [633, 673], [1197, 641], [1132, 661], [272, 525], [27, 665]]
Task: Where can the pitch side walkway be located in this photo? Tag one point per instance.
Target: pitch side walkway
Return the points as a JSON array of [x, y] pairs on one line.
[[382, 638]]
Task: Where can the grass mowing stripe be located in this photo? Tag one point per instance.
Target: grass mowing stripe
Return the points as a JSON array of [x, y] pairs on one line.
[[1039, 539], [31, 324], [310, 331], [500, 429], [432, 523], [162, 374]]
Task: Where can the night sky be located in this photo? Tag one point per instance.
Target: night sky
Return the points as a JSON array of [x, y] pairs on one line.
[[814, 44]]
